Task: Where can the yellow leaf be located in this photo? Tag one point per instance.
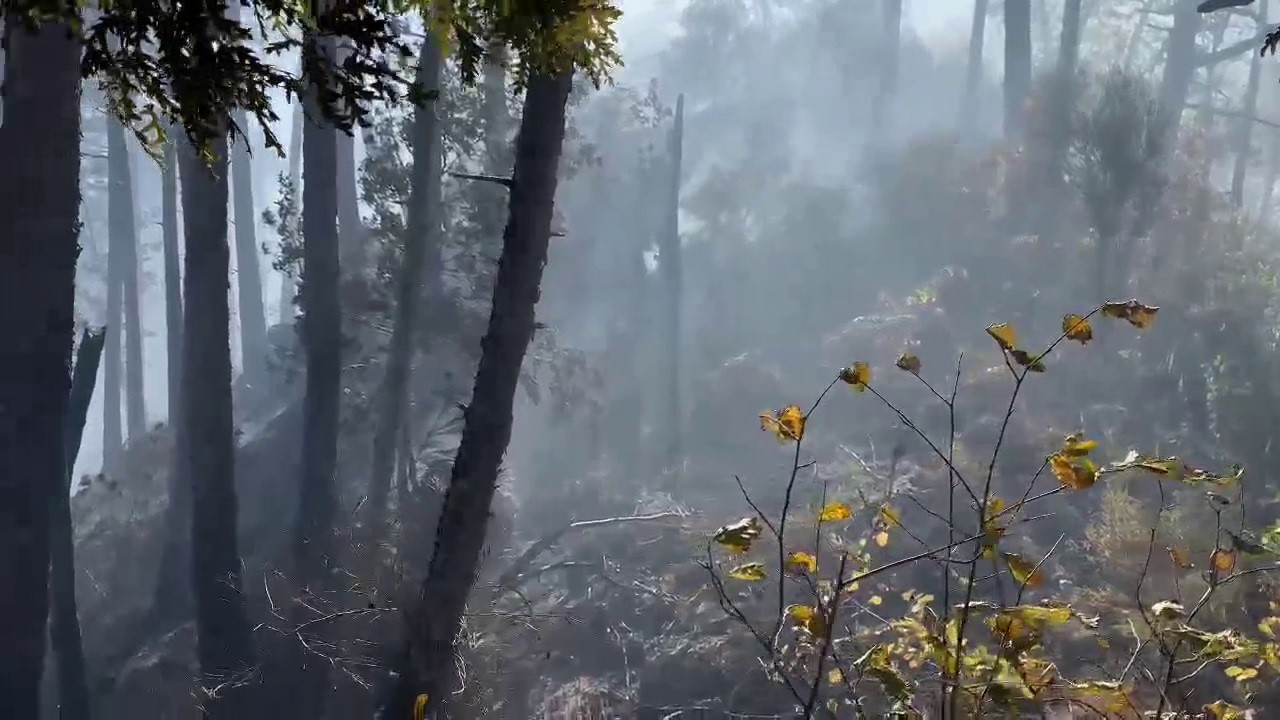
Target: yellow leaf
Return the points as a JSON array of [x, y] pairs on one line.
[[787, 424], [420, 706], [889, 517], [874, 600], [750, 572], [835, 512], [1026, 360], [1241, 674], [835, 676], [1181, 558], [1077, 445], [1004, 336], [1135, 313], [1023, 571], [1077, 475], [737, 538], [807, 619], [801, 562], [1109, 697], [909, 362], [882, 538], [1076, 328], [1223, 561], [858, 376], [1223, 710]]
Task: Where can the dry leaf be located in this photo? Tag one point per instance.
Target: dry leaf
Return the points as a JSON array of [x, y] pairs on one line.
[[1077, 328], [835, 512], [807, 619], [1003, 334], [857, 376], [1223, 561], [909, 362], [750, 572], [1135, 313], [888, 517], [787, 424], [801, 562], [1078, 474], [737, 537], [882, 538], [1023, 571]]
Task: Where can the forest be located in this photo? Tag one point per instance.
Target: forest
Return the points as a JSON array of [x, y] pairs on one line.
[[596, 359]]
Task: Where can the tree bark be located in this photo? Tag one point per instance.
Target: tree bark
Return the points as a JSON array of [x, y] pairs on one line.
[[973, 68], [891, 16], [288, 282], [421, 258], [253, 318], [427, 663], [1244, 130], [225, 648], [122, 225], [1017, 66], [73, 684], [39, 223], [672, 267]]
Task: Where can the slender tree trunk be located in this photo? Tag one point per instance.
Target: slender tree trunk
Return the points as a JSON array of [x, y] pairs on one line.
[[973, 68], [351, 231], [672, 267], [123, 226], [112, 383], [891, 16], [172, 273], [427, 664], [1017, 66], [253, 315], [1180, 61], [288, 282], [1069, 42], [1244, 132], [421, 258], [225, 648], [321, 341], [73, 684], [39, 222]]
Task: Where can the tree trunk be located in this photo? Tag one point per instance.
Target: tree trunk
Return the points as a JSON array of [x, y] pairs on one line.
[[39, 223], [427, 664], [253, 318], [123, 227], [1244, 132], [672, 267], [1273, 171], [1017, 66], [172, 273], [421, 258], [1180, 61], [973, 68], [73, 685], [891, 12], [322, 343], [1069, 42], [112, 383], [225, 648], [288, 282], [350, 226]]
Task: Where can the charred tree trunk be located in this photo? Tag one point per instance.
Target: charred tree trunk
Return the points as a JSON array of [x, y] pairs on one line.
[[39, 223], [672, 267], [1017, 66], [891, 16], [1244, 132], [253, 318], [427, 663], [421, 258], [225, 648], [973, 68], [64, 630], [123, 227]]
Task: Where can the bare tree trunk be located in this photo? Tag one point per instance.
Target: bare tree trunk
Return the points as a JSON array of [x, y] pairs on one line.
[[225, 647], [112, 383], [350, 227], [172, 272], [253, 318], [891, 16], [39, 223], [427, 664], [973, 69], [672, 267], [288, 282], [1244, 132], [64, 622], [1017, 66], [123, 226], [1180, 61], [421, 259]]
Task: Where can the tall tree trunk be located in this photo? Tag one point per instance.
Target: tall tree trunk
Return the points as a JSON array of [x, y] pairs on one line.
[[350, 227], [123, 227], [973, 68], [225, 648], [1069, 40], [321, 341], [1017, 66], [288, 282], [672, 267], [253, 317], [1244, 132], [172, 273], [421, 258], [1273, 171], [427, 664], [73, 684], [1180, 61], [39, 222], [112, 383], [891, 17], [1062, 101]]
